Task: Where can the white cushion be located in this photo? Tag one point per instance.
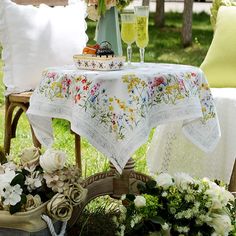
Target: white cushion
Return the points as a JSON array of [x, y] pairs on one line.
[[34, 38]]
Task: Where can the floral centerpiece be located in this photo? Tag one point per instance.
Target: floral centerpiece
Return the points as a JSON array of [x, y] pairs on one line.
[[41, 178], [178, 205], [97, 8]]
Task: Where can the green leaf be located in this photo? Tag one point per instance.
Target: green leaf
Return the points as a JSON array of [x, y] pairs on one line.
[[39, 168], [151, 184], [25, 172], [157, 220], [141, 187], [101, 7], [130, 197], [18, 179], [23, 198], [15, 208]]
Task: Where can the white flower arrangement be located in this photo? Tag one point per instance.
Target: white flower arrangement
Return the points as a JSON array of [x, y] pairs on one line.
[[40, 178], [178, 205]]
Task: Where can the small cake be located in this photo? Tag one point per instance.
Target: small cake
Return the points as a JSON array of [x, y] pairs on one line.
[[104, 49], [91, 49]]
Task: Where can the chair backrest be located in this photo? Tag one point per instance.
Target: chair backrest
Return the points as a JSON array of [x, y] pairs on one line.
[[37, 2]]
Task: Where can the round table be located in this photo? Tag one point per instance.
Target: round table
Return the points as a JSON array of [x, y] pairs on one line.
[[116, 110]]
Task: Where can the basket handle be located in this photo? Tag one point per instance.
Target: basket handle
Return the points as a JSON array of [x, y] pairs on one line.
[[48, 220]]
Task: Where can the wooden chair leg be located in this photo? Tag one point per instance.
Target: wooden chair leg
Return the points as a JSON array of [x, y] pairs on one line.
[[15, 122], [78, 151], [232, 183], [11, 122], [8, 131]]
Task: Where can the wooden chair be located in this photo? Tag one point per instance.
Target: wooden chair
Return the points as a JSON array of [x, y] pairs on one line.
[[17, 104]]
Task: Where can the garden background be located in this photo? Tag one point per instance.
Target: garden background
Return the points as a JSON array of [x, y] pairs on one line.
[[164, 47]]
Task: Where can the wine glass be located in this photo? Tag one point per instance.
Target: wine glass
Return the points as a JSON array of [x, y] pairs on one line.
[[142, 14], [128, 32]]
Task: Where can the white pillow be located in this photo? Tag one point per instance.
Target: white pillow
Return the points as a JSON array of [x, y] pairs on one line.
[[34, 38]]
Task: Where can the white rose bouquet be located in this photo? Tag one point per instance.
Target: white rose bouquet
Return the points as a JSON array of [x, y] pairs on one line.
[[178, 205], [40, 178]]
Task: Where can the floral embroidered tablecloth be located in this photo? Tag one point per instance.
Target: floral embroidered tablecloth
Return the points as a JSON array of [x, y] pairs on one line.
[[115, 110]]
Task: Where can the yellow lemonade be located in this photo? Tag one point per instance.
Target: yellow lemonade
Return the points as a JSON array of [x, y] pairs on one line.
[[142, 31], [128, 32]]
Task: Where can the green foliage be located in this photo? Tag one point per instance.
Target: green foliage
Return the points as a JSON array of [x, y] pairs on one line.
[[181, 205], [18, 179]]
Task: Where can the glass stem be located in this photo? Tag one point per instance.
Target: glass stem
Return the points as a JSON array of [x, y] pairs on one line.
[[129, 54], [141, 51]]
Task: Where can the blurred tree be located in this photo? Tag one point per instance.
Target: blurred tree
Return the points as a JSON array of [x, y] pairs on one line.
[[160, 13], [187, 23], [145, 2], [2, 156]]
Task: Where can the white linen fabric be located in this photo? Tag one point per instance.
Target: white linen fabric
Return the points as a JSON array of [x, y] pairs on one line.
[[171, 152], [37, 37], [115, 110]]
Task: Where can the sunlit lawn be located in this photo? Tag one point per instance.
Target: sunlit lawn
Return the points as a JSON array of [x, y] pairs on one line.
[[164, 46]]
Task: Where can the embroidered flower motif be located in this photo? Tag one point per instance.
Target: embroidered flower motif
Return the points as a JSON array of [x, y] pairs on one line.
[[122, 115]]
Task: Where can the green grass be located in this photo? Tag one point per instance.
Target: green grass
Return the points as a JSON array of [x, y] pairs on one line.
[[164, 47]]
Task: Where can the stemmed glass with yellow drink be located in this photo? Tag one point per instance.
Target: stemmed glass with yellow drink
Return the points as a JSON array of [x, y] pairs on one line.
[[128, 32], [142, 14]]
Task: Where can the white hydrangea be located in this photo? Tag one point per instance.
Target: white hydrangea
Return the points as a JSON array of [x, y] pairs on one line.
[[12, 194], [33, 181], [135, 220], [6, 178], [182, 229]]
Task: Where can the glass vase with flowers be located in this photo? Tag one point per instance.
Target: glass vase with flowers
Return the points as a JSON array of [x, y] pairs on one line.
[[105, 12]]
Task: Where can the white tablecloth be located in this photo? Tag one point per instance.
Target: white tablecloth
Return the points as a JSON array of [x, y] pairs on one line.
[[115, 110], [171, 152]]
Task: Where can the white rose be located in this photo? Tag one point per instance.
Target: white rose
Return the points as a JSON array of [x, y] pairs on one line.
[[183, 180], [30, 156], [52, 160], [140, 201], [164, 180]]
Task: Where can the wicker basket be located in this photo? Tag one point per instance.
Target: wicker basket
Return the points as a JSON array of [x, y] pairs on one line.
[[26, 223]]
